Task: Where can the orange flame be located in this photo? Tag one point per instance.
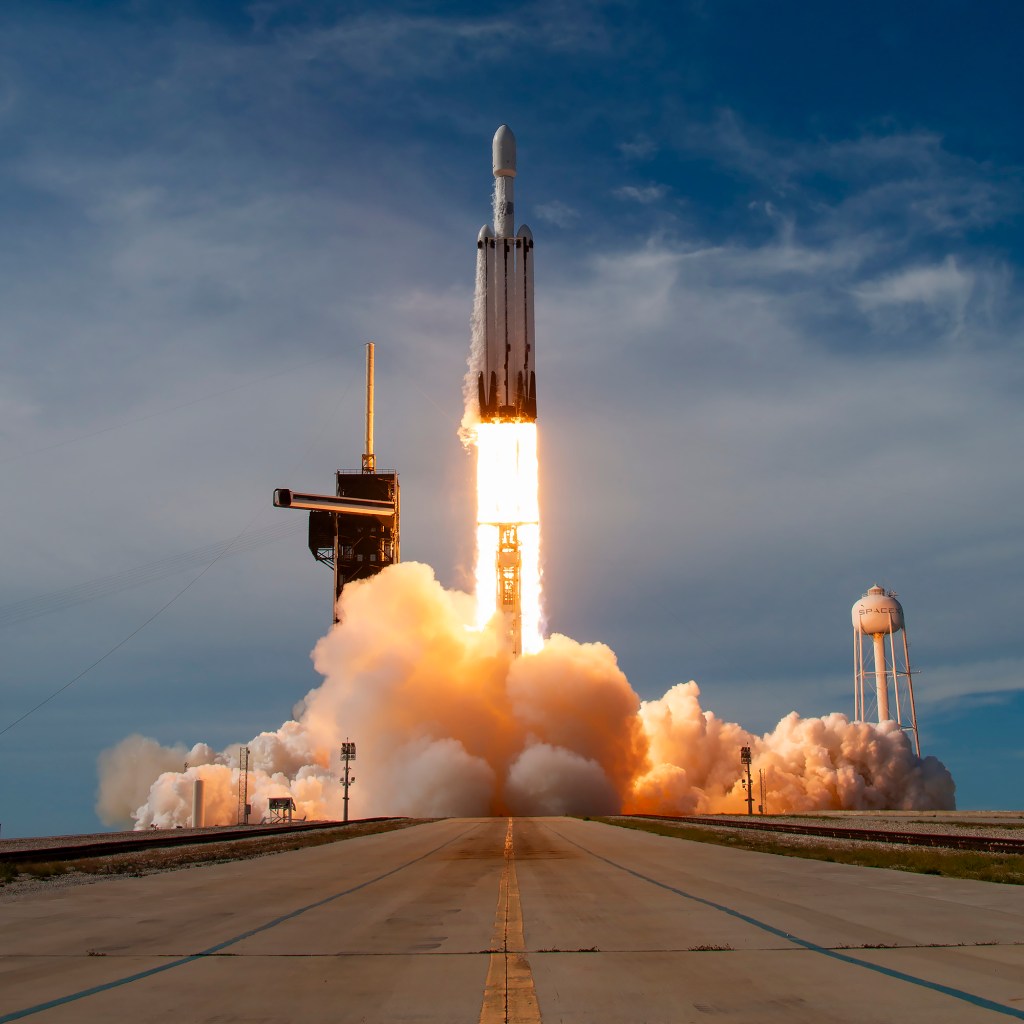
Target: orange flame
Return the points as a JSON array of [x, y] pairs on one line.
[[507, 493]]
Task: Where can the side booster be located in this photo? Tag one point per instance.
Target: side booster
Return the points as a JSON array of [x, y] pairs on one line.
[[507, 385]]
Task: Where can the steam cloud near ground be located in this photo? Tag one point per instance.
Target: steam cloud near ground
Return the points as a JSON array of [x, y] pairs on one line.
[[447, 723]]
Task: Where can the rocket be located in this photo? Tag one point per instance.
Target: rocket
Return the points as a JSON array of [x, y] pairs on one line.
[[507, 384]]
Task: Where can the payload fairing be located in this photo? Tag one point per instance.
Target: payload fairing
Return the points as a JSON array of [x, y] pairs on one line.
[[507, 383]]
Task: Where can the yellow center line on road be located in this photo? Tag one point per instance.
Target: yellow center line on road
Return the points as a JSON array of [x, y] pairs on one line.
[[509, 995]]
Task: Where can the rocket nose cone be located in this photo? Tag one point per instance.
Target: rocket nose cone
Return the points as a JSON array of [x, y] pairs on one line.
[[503, 153]]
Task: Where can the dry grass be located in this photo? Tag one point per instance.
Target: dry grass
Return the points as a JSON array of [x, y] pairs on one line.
[[144, 862], [985, 867]]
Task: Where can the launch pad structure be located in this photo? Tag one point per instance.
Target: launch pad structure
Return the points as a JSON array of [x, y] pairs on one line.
[[509, 572], [356, 530]]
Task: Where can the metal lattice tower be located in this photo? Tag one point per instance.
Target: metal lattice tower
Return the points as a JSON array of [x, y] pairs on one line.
[[356, 530], [509, 566]]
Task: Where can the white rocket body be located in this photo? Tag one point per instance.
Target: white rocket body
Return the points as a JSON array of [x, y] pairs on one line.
[[507, 382]]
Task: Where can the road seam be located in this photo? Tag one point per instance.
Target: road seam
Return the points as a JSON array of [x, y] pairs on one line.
[[509, 993], [813, 947], [212, 950]]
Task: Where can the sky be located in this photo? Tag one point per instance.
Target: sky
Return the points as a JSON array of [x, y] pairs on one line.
[[780, 329]]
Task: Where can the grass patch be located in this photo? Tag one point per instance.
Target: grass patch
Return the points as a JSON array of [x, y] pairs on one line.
[[44, 871], [984, 867], [144, 862]]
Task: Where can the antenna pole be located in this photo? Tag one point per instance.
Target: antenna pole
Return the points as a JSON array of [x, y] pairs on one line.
[[748, 785], [369, 459], [348, 755]]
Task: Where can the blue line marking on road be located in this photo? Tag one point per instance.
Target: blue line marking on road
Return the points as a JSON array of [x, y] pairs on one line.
[[75, 996], [956, 993]]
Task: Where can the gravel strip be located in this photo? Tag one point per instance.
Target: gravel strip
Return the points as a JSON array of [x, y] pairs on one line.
[[989, 824], [116, 867], [56, 842]]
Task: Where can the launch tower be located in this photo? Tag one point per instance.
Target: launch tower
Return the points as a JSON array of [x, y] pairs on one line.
[[356, 530]]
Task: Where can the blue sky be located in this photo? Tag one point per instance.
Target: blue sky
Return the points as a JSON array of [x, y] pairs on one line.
[[780, 346]]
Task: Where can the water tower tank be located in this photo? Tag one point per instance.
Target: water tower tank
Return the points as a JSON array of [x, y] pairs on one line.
[[877, 612]]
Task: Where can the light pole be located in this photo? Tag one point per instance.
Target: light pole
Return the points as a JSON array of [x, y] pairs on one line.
[[748, 785], [348, 755]]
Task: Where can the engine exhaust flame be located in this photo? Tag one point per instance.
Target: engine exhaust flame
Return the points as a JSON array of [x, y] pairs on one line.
[[508, 531]]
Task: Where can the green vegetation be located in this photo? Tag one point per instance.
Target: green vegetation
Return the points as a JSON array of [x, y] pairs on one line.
[[985, 867]]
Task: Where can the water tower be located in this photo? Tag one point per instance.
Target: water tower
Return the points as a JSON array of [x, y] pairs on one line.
[[879, 615]]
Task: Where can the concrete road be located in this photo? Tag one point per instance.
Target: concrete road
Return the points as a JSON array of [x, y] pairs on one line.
[[538, 919]]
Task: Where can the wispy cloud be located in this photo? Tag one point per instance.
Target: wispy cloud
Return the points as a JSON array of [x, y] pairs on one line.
[[396, 45], [642, 193], [640, 148], [875, 180], [558, 213], [942, 284], [403, 46]]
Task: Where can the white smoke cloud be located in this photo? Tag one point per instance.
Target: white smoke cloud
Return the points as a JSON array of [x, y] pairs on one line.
[[447, 723], [554, 780], [475, 359], [809, 763]]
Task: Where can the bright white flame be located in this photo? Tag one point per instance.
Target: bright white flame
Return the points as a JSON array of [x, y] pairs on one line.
[[506, 488]]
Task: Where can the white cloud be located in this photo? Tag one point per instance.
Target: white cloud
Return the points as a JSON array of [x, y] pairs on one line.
[[394, 45], [942, 284], [640, 148], [400, 46], [880, 182], [936, 683], [558, 213], [642, 193]]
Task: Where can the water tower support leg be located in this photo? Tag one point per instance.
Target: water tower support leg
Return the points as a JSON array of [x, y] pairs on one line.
[[858, 687], [910, 692], [895, 675], [881, 680]]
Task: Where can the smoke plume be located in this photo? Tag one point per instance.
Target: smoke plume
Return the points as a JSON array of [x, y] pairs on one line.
[[447, 723]]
